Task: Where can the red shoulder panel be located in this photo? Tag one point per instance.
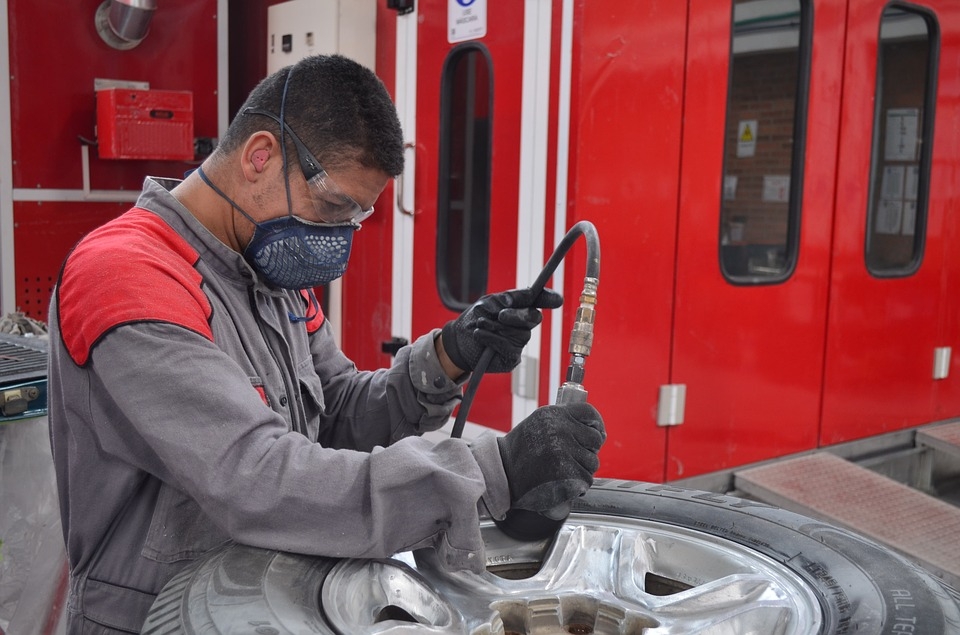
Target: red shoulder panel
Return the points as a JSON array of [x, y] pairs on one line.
[[135, 268], [315, 321]]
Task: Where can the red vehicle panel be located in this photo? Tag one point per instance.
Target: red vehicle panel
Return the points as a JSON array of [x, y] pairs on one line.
[[504, 42], [751, 355], [771, 367], [626, 120], [366, 288], [882, 331]]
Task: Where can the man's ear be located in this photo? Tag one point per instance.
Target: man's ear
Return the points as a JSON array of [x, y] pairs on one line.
[[257, 151]]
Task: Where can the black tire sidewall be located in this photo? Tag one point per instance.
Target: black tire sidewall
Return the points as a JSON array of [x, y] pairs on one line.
[[861, 586]]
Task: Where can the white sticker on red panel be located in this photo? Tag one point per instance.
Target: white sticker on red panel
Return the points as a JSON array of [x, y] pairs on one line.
[[466, 20]]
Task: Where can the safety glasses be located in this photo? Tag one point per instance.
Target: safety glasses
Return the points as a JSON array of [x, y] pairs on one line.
[[331, 203]]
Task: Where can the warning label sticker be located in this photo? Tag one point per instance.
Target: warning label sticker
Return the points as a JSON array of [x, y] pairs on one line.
[[747, 138]]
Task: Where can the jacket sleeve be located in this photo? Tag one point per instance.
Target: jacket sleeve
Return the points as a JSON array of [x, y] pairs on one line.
[[366, 409], [168, 401]]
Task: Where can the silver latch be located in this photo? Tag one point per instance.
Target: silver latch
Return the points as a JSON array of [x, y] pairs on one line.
[[941, 362], [670, 407], [525, 378]]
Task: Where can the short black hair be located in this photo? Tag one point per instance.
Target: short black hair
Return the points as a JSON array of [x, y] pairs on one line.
[[339, 109]]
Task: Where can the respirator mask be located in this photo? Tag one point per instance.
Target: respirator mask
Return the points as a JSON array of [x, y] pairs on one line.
[[291, 252]]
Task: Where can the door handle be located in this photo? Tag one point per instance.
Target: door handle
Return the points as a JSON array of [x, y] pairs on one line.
[[402, 183]]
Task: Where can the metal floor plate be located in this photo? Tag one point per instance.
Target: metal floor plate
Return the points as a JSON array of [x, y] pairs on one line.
[[828, 487], [945, 438]]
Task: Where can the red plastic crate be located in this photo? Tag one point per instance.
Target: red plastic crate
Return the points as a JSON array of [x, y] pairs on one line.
[[145, 124]]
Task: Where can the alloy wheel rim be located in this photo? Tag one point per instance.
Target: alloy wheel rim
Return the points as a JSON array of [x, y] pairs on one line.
[[601, 575]]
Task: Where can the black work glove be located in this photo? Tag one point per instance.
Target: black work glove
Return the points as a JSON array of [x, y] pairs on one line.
[[551, 456], [501, 321]]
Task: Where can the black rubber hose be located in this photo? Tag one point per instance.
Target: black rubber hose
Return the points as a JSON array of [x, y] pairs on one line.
[[583, 228]]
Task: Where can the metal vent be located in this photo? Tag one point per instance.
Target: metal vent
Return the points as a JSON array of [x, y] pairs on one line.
[[22, 358]]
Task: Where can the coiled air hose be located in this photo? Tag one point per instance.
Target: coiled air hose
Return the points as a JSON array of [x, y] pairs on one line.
[[523, 524]]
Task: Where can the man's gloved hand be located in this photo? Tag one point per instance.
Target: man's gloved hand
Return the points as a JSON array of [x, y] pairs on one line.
[[551, 456], [501, 321]]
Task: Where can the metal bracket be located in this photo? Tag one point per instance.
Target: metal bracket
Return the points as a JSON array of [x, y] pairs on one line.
[[671, 404], [941, 362], [15, 400], [524, 378]]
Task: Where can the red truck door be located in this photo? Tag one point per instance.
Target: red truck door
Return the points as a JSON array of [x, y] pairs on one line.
[[895, 190], [755, 213], [625, 122], [462, 209]]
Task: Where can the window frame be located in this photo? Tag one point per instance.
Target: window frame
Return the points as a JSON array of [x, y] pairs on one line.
[[444, 207], [797, 167], [926, 147]]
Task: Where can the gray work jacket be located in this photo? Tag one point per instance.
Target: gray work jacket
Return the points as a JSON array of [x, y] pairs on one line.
[[188, 408]]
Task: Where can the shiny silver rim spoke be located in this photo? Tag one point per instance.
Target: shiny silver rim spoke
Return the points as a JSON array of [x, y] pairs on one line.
[[735, 601]]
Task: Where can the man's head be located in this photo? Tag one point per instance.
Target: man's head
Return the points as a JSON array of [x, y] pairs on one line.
[[301, 165], [338, 108]]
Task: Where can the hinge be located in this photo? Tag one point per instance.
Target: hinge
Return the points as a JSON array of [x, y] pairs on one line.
[[670, 407]]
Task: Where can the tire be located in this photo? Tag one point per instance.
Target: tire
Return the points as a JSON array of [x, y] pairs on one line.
[[267, 592], [633, 557], [861, 586]]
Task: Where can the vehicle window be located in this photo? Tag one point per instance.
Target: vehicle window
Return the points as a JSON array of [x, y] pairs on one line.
[[463, 202], [902, 142], [764, 140]]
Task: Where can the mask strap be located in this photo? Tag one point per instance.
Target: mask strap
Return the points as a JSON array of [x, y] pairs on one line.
[[206, 179], [283, 153], [283, 144], [314, 306]]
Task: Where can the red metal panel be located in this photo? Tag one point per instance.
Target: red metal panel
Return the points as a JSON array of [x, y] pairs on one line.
[[55, 55], [947, 186], [883, 331], [46, 232], [504, 40], [367, 284], [750, 356], [626, 118]]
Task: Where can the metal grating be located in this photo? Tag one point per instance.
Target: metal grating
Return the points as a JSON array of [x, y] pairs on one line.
[[945, 438], [22, 358], [825, 486]]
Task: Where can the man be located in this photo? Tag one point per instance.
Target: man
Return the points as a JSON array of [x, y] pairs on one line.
[[197, 395]]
